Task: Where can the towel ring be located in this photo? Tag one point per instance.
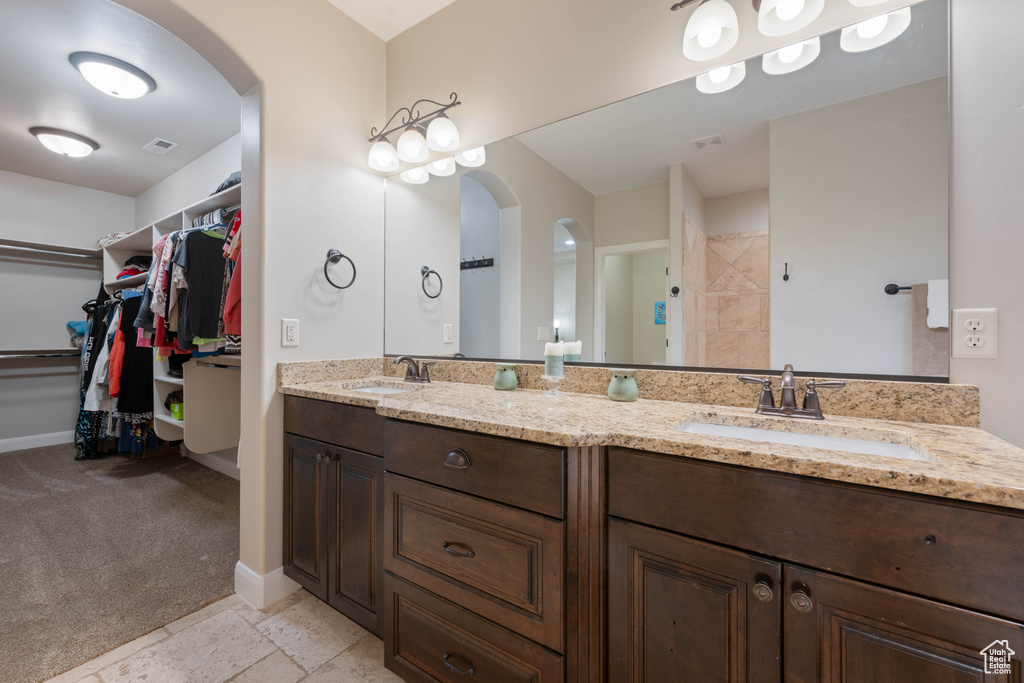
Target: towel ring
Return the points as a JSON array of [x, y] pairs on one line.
[[335, 256], [426, 271]]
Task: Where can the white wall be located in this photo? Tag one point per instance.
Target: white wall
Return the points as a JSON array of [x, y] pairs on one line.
[[189, 184], [636, 214], [480, 288], [565, 299], [735, 213], [43, 293], [843, 247], [986, 240]]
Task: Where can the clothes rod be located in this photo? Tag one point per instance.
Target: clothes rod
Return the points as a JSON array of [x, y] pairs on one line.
[[39, 247], [40, 353]]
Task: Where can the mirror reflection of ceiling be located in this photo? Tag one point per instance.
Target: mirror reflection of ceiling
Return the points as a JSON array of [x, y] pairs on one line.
[[387, 18], [596, 151], [193, 105], [563, 239]]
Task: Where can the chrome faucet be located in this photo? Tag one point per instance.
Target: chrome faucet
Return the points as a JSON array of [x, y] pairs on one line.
[[415, 372], [811, 409]]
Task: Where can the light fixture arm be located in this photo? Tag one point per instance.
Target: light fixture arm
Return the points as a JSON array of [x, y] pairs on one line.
[[413, 116]]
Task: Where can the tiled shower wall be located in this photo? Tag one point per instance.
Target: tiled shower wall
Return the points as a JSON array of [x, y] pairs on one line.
[[737, 301], [694, 295]]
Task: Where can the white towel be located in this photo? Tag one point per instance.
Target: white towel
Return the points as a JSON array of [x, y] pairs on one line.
[[938, 304]]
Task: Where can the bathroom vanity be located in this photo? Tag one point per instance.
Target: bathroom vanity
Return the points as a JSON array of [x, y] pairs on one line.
[[516, 536]]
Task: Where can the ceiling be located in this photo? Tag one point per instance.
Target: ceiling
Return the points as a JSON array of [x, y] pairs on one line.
[[193, 105], [640, 137], [388, 18]]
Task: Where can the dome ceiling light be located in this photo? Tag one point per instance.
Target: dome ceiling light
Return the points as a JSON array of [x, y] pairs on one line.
[[782, 17], [875, 32], [420, 133], [721, 79], [791, 58], [713, 29], [112, 76], [64, 142]]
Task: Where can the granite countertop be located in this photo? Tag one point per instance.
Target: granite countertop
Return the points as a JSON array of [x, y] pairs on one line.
[[963, 463]]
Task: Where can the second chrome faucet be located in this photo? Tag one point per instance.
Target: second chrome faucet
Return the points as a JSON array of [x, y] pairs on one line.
[[811, 409]]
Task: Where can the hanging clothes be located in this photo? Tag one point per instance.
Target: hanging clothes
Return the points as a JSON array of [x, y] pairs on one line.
[[135, 395]]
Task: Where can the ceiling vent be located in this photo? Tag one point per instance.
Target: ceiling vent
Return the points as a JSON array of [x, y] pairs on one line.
[[713, 141], [158, 146]]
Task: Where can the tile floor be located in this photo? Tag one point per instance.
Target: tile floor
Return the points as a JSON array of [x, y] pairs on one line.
[[296, 639]]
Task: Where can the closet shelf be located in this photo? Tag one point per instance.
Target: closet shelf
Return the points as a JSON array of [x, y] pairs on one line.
[[52, 249], [171, 380], [171, 421], [141, 241], [127, 282]]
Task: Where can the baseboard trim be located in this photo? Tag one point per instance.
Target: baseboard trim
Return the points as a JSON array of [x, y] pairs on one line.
[[37, 440], [216, 463], [262, 590]]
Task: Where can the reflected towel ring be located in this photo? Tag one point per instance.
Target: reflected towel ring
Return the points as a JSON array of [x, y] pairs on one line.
[[426, 271], [335, 256]]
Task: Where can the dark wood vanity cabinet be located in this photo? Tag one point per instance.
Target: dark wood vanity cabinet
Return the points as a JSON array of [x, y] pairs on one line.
[[333, 507], [683, 609]]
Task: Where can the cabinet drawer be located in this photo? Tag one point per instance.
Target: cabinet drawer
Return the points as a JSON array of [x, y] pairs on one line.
[[950, 551], [526, 475], [360, 429], [429, 639], [503, 563]]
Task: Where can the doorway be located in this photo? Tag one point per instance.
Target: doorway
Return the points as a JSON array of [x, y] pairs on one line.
[[631, 316]]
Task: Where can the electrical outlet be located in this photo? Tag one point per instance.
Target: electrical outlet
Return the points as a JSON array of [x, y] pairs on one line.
[[289, 332], [544, 334], [982, 333], [448, 334]]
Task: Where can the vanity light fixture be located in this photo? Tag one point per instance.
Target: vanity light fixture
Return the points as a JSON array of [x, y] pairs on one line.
[[112, 76], [420, 134], [442, 167], [782, 17], [416, 176], [63, 142], [791, 58], [722, 78], [875, 32], [472, 158], [713, 29]]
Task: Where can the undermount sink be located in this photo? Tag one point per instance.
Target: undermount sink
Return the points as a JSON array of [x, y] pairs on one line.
[[380, 390], [875, 443]]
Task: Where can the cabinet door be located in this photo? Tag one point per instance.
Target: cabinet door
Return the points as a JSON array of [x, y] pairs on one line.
[[684, 611], [305, 495], [356, 516], [838, 630]]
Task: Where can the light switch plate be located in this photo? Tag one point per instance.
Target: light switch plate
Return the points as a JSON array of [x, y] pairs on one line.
[[448, 334], [974, 333], [289, 332], [544, 334]]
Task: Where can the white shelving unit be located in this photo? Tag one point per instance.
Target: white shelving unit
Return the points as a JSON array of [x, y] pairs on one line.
[[214, 404]]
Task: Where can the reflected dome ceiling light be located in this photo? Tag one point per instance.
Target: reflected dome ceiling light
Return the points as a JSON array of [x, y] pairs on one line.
[[63, 142], [112, 76], [416, 176], [722, 78], [442, 167], [442, 135], [570, 242], [383, 156], [420, 133], [875, 32], [782, 17], [713, 30], [791, 58], [472, 158]]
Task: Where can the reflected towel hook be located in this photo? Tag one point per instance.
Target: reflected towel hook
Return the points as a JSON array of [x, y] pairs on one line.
[[894, 289], [335, 256], [425, 271]]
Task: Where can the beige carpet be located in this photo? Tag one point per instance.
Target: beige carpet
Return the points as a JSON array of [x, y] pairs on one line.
[[96, 553]]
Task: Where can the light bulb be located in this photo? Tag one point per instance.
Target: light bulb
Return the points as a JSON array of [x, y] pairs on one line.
[[789, 10], [720, 75], [872, 28], [442, 167], [791, 53], [472, 158], [709, 35], [412, 146], [442, 135], [383, 156], [64, 143], [112, 76], [570, 242], [416, 176]]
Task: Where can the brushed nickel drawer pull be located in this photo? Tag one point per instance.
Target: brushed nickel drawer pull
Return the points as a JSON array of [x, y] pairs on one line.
[[468, 672], [445, 546], [763, 592], [457, 459]]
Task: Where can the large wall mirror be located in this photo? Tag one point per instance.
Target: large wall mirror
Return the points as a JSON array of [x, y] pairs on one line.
[[741, 229]]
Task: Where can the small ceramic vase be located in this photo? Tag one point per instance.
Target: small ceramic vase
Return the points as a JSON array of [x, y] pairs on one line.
[[623, 386], [505, 378]]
